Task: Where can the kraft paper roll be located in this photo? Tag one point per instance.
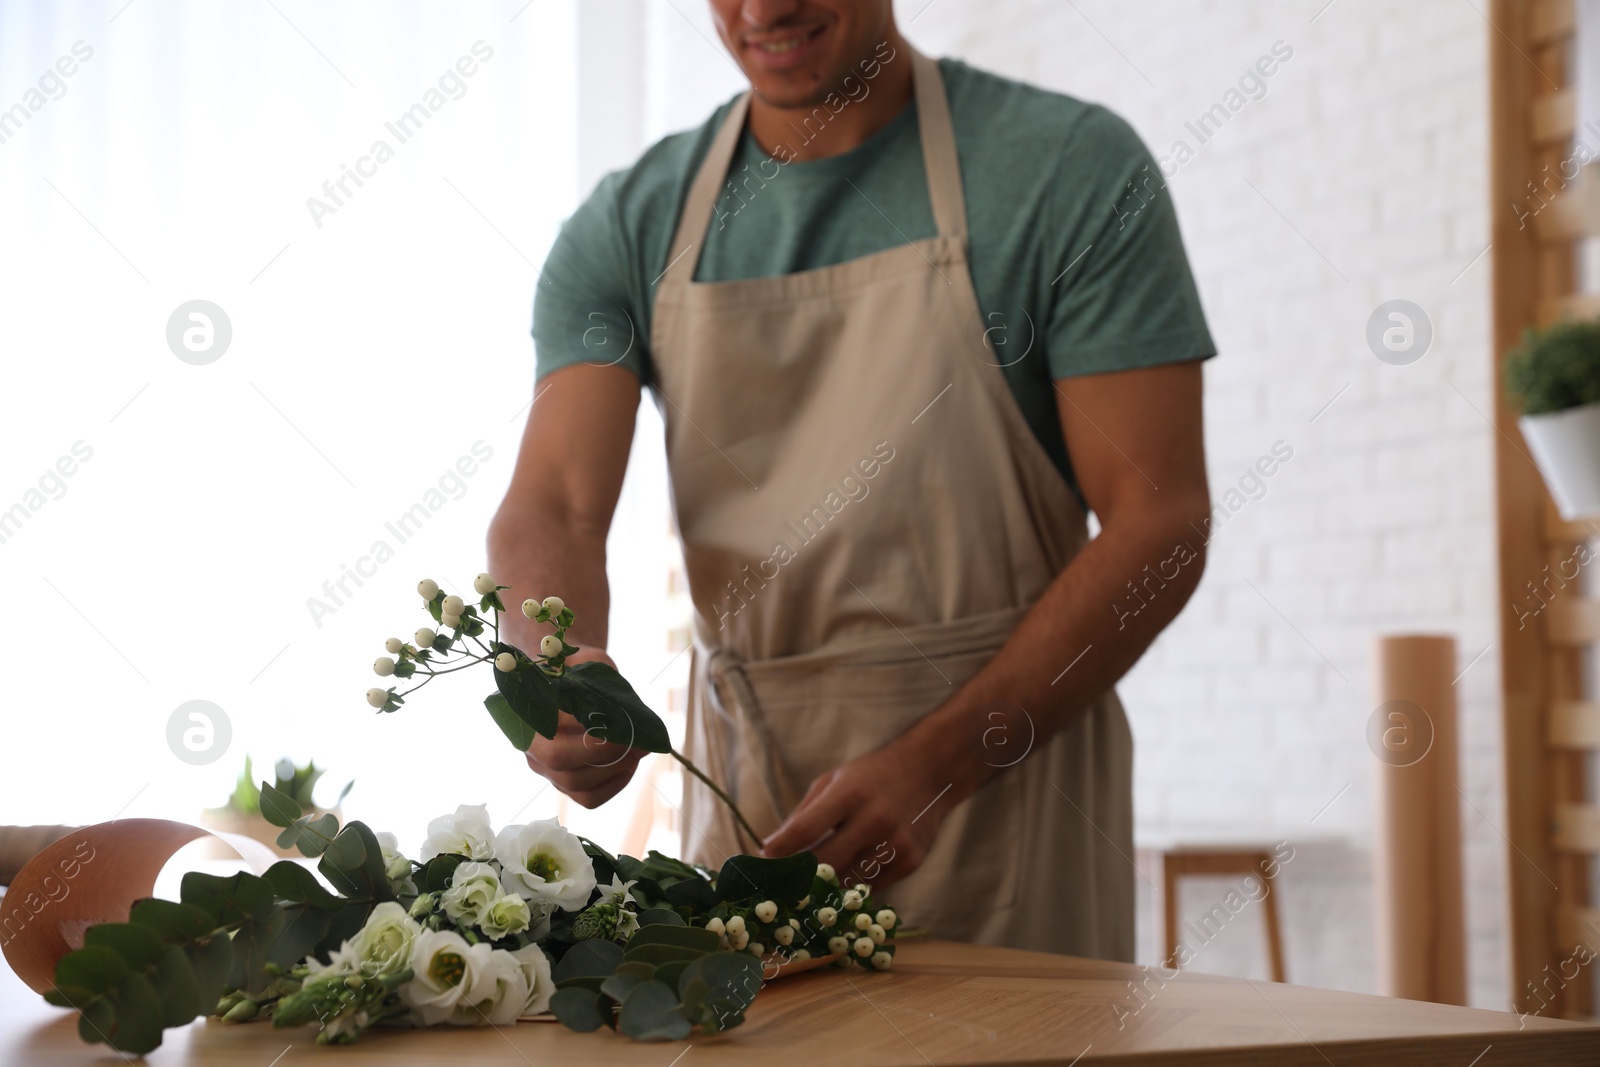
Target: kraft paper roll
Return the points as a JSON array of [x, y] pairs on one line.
[[92, 875], [1421, 935]]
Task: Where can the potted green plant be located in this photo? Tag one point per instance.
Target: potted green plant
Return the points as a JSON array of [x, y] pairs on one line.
[[242, 813], [1555, 374]]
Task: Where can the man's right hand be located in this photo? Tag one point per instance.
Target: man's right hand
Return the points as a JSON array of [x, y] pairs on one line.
[[582, 766]]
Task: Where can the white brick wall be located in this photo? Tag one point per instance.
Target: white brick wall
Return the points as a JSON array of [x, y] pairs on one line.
[[1371, 142]]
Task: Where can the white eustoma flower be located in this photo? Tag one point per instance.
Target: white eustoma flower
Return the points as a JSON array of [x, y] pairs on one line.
[[377, 697], [484, 584], [383, 666], [466, 833], [554, 605], [428, 588], [473, 887], [507, 914], [384, 943], [467, 985], [453, 605], [542, 862], [549, 645], [505, 663], [393, 645], [536, 970], [396, 868]]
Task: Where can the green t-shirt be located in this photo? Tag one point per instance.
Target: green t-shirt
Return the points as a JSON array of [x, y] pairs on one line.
[[1074, 250]]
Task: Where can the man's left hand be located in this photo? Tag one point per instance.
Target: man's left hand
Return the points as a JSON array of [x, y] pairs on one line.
[[874, 819]]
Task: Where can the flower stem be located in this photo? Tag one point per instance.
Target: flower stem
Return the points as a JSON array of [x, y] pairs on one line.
[[724, 797]]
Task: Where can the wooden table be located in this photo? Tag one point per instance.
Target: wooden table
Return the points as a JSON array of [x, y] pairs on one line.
[[942, 1004]]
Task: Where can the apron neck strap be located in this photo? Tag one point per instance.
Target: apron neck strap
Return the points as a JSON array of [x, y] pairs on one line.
[[938, 157]]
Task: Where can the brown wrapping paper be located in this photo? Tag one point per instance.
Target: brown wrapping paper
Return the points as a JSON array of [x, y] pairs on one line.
[[92, 875], [1421, 925]]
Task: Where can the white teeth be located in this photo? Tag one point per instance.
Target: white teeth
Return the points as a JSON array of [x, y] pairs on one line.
[[783, 46]]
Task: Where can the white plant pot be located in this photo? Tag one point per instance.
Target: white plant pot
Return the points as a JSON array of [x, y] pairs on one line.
[[1566, 445]]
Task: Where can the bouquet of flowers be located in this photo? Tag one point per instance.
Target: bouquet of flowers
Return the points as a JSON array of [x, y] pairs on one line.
[[488, 927]]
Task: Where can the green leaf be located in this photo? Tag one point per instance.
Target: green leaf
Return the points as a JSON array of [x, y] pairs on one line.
[[635, 967], [311, 834], [730, 976], [680, 936], [176, 988], [695, 893], [517, 730], [87, 973], [174, 922], [437, 872], [303, 928], [138, 945], [784, 879], [661, 917], [660, 954], [531, 695], [618, 986], [253, 942], [594, 957], [209, 962], [668, 972], [577, 1009], [137, 1028], [354, 864], [278, 807], [651, 1012], [292, 882], [227, 900], [608, 708]]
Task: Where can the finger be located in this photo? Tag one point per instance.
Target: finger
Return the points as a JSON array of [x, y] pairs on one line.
[[856, 840], [822, 811], [570, 771], [602, 792], [572, 752]]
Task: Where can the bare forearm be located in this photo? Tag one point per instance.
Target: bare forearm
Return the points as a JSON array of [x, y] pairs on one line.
[[1090, 626], [542, 552]]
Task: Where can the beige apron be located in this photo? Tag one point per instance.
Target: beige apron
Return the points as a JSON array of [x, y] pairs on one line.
[[865, 517]]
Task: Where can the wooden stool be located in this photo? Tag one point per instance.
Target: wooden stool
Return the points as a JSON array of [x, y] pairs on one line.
[[1173, 861]]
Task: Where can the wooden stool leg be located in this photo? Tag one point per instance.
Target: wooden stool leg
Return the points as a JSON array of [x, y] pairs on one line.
[[1270, 904], [1169, 908]]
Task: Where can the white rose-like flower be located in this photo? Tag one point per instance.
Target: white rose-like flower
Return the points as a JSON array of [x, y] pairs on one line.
[[396, 868], [394, 645], [484, 584], [549, 645], [466, 833], [473, 887], [536, 970], [505, 663], [384, 942], [428, 588], [542, 862], [507, 914], [554, 605], [467, 985], [424, 637], [383, 666], [766, 911], [377, 697], [453, 605]]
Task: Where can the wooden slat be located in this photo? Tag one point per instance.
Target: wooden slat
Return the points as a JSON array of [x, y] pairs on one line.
[[1578, 306], [1575, 827], [1572, 621], [1574, 724], [1573, 211], [1551, 117], [1550, 21], [1579, 926], [1558, 531]]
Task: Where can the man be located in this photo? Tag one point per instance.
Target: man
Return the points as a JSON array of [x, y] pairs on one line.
[[905, 322]]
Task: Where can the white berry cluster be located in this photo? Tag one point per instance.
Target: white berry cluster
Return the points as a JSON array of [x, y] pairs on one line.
[[830, 921], [432, 652]]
